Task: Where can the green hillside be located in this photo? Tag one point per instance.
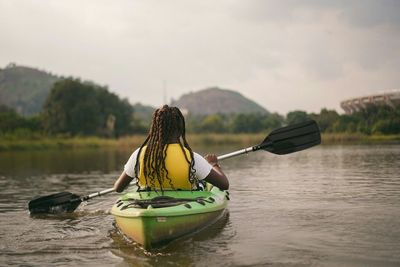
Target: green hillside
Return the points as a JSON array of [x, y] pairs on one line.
[[215, 100], [25, 89]]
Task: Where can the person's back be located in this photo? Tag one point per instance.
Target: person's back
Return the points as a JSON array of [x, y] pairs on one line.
[[166, 161], [177, 166]]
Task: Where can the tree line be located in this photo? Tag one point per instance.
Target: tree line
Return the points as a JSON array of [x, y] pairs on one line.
[[379, 119], [76, 108]]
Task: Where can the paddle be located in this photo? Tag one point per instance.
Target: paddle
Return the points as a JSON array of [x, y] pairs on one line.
[[286, 140], [61, 202], [281, 141]]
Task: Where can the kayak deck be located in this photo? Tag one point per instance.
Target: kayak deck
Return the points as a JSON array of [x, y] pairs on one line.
[[153, 219]]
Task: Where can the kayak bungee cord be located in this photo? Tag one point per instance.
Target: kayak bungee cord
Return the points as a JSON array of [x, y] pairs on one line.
[[161, 202]]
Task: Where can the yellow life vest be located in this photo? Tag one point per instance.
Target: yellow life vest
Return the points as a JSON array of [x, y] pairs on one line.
[[177, 166]]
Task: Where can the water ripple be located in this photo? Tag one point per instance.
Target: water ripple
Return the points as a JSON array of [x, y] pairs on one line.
[[328, 206]]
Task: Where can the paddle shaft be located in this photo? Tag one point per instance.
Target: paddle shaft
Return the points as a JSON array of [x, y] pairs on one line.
[[97, 194], [244, 151], [236, 153]]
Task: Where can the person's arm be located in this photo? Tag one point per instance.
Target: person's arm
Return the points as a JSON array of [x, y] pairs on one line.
[[128, 174], [122, 182], [216, 176]]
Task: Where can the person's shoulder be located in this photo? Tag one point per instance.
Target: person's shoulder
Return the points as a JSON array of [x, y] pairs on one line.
[[135, 152], [196, 154], [197, 157]]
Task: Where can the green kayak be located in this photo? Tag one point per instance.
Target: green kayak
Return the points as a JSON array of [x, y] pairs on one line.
[[153, 219]]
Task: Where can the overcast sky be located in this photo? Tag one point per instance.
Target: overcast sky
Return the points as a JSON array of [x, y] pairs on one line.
[[285, 55]]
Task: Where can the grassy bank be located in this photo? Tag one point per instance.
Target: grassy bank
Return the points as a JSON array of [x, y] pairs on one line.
[[241, 140], [124, 142], [345, 138], [55, 142]]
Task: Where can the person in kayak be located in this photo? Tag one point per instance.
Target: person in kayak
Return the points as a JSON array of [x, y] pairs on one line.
[[166, 161]]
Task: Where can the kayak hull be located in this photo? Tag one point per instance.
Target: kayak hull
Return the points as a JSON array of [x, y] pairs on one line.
[[154, 227]]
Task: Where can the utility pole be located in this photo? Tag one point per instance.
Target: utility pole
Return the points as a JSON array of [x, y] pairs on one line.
[[165, 92]]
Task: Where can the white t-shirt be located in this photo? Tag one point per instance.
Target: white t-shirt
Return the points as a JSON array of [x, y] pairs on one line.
[[201, 165]]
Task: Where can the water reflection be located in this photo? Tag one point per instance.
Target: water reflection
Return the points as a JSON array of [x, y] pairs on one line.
[[326, 206], [186, 251], [33, 163]]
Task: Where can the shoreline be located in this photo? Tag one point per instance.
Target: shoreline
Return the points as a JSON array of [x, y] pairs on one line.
[[45, 143]]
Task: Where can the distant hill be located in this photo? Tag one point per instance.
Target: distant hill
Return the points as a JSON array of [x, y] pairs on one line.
[[25, 89], [216, 100]]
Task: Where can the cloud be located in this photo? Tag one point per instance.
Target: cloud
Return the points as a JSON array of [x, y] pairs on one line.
[[370, 13], [360, 13]]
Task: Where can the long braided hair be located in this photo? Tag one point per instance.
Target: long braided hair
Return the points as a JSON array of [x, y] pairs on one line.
[[168, 125]]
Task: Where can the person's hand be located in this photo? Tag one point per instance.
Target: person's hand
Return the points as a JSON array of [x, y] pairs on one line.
[[216, 176], [212, 159]]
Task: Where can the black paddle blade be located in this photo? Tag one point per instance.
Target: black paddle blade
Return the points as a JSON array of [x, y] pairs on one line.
[[292, 138], [55, 203]]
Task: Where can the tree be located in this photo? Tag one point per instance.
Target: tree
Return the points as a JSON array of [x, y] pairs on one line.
[[273, 121], [212, 124], [83, 108], [327, 119], [387, 126], [247, 123], [296, 116], [345, 123], [10, 121]]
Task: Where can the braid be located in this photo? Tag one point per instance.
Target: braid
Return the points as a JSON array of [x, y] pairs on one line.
[[192, 172], [167, 122], [137, 162]]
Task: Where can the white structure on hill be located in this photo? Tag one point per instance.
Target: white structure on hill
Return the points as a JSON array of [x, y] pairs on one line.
[[390, 98]]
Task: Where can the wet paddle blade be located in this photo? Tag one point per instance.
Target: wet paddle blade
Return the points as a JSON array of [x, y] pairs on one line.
[[292, 138], [55, 203]]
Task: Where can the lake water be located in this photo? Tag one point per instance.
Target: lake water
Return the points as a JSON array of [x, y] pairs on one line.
[[326, 206]]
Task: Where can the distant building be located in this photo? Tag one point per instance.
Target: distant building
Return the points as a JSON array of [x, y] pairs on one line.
[[390, 98]]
